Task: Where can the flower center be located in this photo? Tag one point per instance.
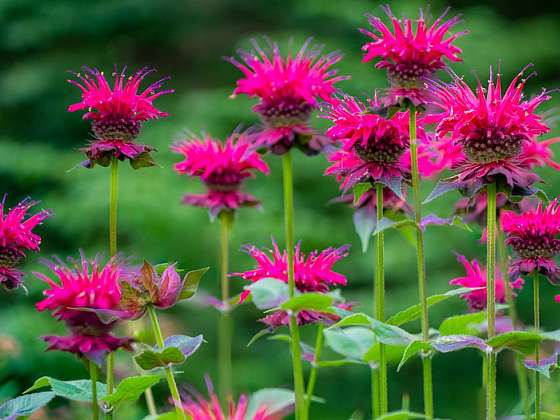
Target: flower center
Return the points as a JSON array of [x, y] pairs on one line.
[[483, 149], [543, 246], [223, 182], [10, 257], [407, 74], [285, 112], [116, 127], [381, 150]]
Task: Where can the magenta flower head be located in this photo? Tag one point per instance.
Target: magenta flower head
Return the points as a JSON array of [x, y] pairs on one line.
[[496, 132], [75, 292], [16, 238], [476, 278], [312, 273], [117, 113], [289, 88], [411, 52], [372, 147], [222, 167], [197, 407], [533, 235]]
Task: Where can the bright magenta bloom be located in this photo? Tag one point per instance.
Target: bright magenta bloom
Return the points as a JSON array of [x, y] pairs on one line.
[[200, 408], [288, 88], [75, 292], [534, 237], [372, 147], [17, 237], [496, 132], [117, 113], [312, 273], [476, 277], [222, 167], [410, 52]]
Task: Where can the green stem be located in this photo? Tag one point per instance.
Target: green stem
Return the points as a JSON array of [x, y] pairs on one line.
[[421, 264], [537, 322], [94, 403], [150, 402], [520, 372], [168, 372], [226, 322], [313, 374], [491, 298], [379, 298], [294, 331], [114, 187], [375, 395]]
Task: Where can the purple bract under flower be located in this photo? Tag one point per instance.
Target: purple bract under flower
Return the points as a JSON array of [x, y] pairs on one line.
[[312, 273], [117, 113], [222, 167], [410, 52], [76, 291], [534, 237], [496, 131], [289, 89], [17, 237], [476, 277]]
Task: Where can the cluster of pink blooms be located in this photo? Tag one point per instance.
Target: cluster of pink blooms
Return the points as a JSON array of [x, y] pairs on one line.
[[222, 167], [533, 235], [475, 278], [289, 90], [312, 273], [117, 113], [411, 52], [16, 238], [75, 292]]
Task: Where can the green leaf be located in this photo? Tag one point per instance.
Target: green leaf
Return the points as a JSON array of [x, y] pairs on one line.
[[411, 350], [354, 319], [79, 390], [337, 363], [268, 293], [275, 400], [258, 336], [520, 341], [170, 415], [401, 415], [414, 312], [152, 358], [390, 334], [191, 282], [308, 301], [352, 342], [360, 189], [462, 324], [544, 366], [386, 223], [364, 224], [131, 388], [25, 405]]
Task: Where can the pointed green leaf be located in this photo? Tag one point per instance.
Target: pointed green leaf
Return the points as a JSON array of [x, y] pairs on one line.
[[462, 324], [401, 415], [79, 390], [308, 301], [276, 400], [152, 358], [191, 282], [521, 341], [352, 342], [268, 293], [258, 336], [360, 189], [25, 405], [131, 388], [412, 350]]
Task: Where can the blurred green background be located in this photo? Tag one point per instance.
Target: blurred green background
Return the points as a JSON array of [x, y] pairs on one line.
[[39, 142]]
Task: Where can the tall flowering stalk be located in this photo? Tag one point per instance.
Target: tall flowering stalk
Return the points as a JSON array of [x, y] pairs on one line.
[[222, 167], [17, 238], [496, 132], [117, 113], [411, 52], [75, 290], [288, 89], [534, 237], [372, 150]]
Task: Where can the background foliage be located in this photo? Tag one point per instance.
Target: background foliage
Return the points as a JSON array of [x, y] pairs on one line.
[[39, 142]]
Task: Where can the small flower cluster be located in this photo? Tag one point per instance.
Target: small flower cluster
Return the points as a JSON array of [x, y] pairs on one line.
[[16, 238]]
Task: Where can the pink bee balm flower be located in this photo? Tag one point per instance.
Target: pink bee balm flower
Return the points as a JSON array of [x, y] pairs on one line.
[[17, 237], [496, 132], [312, 273], [372, 147], [476, 278], [289, 89], [410, 52], [533, 235], [117, 113], [222, 167], [77, 291], [199, 408]]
